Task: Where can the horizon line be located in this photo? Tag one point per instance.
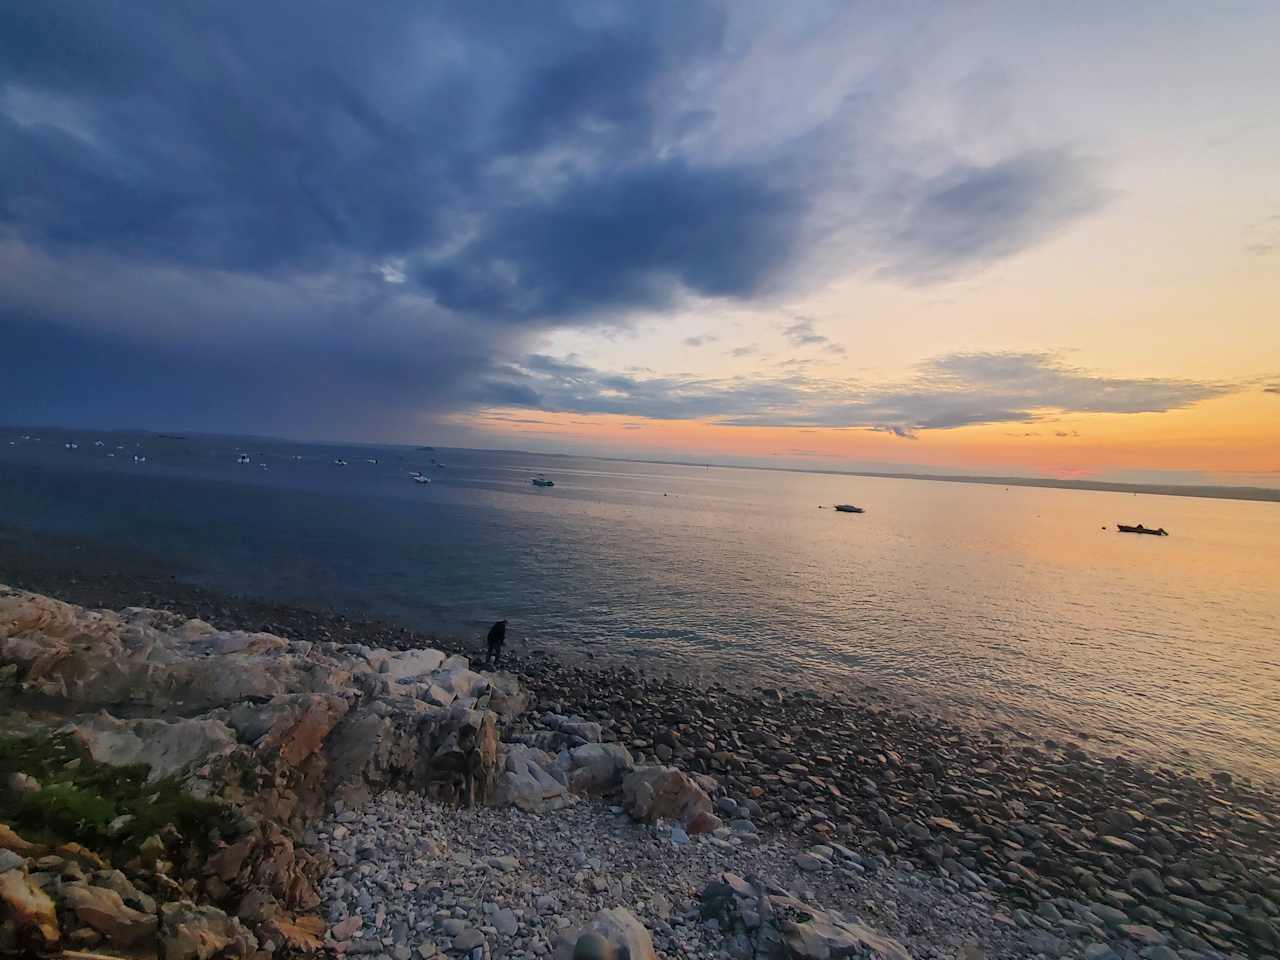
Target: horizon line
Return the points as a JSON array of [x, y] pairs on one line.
[[1198, 490]]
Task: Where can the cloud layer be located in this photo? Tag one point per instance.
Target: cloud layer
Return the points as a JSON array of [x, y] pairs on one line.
[[951, 391], [274, 216]]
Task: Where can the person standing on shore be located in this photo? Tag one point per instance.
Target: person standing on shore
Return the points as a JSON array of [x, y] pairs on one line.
[[495, 641]]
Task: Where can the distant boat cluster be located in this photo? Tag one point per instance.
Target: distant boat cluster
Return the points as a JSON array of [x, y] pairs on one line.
[[540, 480]]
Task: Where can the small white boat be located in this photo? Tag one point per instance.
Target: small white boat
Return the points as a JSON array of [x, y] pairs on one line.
[[419, 478], [97, 443], [72, 446], [139, 458], [340, 462], [371, 460], [243, 458], [542, 482]]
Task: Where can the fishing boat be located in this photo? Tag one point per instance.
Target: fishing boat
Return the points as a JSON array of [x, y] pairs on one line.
[[243, 458], [1139, 528], [848, 508], [542, 482], [419, 478], [340, 462]]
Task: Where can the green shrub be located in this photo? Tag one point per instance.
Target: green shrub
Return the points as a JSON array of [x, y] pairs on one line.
[[79, 798]]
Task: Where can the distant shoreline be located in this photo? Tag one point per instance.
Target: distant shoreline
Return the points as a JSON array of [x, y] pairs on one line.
[[1203, 491], [1261, 494]]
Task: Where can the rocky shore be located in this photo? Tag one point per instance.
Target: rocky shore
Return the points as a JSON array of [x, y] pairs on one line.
[[490, 817]]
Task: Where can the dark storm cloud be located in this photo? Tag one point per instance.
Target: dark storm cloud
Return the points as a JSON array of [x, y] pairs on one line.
[[946, 392], [315, 217]]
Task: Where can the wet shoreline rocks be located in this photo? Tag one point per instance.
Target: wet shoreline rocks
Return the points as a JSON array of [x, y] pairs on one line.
[[1071, 846]]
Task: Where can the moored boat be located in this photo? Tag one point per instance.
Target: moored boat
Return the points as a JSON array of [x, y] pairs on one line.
[[542, 482], [1139, 528], [848, 508]]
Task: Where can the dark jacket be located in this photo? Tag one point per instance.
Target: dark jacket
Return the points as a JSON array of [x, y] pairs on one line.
[[498, 634]]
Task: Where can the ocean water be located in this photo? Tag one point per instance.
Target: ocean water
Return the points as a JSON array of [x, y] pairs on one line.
[[1012, 606]]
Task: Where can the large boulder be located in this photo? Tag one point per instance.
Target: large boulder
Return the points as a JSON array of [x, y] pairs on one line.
[[595, 768], [189, 932], [166, 746], [770, 922], [105, 911], [526, 783], [583, 731], [615, 933], [28, 921], [411, 664], [508, 697], [655, 793]]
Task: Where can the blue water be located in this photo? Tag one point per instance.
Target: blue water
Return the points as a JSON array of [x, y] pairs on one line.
[[1005, 605]]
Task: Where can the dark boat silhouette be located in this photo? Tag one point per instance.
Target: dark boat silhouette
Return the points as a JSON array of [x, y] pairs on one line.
[[848, 508], [1139, 528]]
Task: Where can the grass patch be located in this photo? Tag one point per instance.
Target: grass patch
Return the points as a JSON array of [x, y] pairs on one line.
[[79, 799]]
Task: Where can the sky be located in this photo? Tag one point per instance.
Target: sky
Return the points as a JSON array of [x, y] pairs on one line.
[[957, 237]]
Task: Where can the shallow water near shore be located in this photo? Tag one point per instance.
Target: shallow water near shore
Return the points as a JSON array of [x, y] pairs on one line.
[[1011, 605]]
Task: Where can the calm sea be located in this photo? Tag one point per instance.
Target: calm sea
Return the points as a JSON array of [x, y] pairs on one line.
[[1014, 606]]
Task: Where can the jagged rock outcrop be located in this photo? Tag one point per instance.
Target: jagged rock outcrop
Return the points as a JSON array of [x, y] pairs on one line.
[[274, 729], [761, 920]]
